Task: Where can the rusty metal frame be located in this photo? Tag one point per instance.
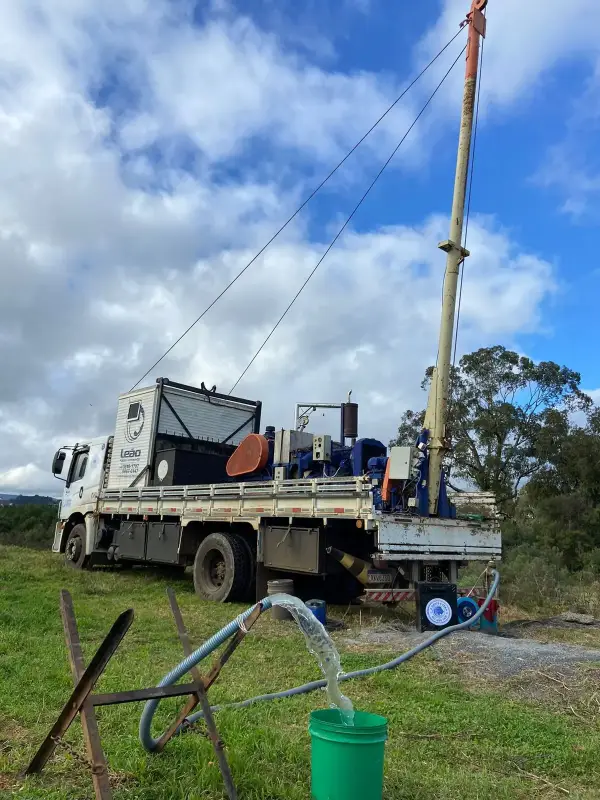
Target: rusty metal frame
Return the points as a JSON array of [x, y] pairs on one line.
[[82, 689], [89, 723], [83, 702]]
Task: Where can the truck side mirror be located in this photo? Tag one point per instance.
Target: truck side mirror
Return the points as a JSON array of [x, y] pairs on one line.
[[58, 462]]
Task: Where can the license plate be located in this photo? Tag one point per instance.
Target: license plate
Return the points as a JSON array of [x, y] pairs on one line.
[[378, 577]]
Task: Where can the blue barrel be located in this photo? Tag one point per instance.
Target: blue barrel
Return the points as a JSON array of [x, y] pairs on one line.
[[319, 609]]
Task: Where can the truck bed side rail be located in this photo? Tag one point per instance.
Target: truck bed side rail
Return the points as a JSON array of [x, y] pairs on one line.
[[310, 486], [317, 497]]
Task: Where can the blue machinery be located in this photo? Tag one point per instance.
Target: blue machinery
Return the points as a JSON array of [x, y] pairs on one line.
[[364, 457]]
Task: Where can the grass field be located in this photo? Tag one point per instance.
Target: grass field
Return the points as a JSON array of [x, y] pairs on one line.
[[445, 741]]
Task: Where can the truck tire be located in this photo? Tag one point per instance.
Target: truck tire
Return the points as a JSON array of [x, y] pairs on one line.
[[249, 594], [75, 556], [222, 568]]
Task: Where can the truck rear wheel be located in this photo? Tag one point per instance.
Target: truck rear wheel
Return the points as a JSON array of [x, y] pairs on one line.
[[249, 594], [222, 568], [75, 556]]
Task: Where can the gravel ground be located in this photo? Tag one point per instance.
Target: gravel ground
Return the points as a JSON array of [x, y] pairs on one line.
[[502, 656]]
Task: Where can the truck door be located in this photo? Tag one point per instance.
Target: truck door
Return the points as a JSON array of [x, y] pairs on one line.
[[83, 483]]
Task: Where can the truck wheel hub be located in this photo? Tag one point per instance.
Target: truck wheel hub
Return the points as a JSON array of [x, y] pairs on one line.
[[215, 567], [74, 548]]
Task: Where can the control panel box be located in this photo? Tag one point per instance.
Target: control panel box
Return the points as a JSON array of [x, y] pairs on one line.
[[401, 463], [321, 447]]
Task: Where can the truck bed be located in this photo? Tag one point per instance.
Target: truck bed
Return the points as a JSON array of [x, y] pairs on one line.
[[397, 537]]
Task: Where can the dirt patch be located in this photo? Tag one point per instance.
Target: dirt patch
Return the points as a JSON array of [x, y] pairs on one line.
[[7, 781], [502, 656], [523, 627], [11, 735], [560, 675], [555, 630]]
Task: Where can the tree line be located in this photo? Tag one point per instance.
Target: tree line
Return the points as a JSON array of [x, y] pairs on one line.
[[27, 525], [528, 433]]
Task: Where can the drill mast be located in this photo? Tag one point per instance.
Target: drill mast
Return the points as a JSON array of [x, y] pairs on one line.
[[437, 406]]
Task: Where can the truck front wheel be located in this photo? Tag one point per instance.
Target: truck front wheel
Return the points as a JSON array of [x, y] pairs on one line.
[[222, 568], [75, 548]]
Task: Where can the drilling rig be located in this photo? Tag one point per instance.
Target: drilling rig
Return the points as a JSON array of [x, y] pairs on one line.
[[188, 479]]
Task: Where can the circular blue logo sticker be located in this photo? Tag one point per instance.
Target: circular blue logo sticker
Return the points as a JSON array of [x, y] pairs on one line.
[[438, 611]]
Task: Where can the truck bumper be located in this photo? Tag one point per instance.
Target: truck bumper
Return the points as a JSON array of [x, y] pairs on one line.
[[408, 538]]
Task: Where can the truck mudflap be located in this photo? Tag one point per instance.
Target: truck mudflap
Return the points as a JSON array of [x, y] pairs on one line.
[[58, 531]]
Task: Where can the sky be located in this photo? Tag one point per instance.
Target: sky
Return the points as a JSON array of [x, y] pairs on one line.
[[149, 148]]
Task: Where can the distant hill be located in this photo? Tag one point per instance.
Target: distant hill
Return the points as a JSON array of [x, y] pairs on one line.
[[27, 500]]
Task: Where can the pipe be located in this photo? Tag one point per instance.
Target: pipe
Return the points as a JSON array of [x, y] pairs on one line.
[[355, 566], [146, 719]]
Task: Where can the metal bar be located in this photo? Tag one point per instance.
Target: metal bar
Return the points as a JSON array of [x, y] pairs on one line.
[[221, 660], [202, 698], [179, 721], [406, 595], [209, 393], [239, 428], [257, 415], [138, 477], [81, 691], [194, 671], [317, 405], [138, 695], [184, 638], [89, 723], [178, 418]]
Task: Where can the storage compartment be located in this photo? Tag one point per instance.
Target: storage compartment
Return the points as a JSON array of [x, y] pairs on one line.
[[179, 467], [131, 540], [293, 549], [163, 542], [172, 415]]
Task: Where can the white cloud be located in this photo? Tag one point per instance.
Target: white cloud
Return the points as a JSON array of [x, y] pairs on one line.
[[125, 209], [226, 83], [368, 321], [569, 169], [28, 475], [525, 45], [524, 42]]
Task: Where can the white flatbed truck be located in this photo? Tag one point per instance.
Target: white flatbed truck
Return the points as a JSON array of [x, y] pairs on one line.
[[116, 508]]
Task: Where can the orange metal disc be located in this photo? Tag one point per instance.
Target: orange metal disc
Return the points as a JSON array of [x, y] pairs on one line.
[[251, 455]]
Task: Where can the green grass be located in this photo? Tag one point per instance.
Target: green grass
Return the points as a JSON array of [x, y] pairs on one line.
[[489, 745]]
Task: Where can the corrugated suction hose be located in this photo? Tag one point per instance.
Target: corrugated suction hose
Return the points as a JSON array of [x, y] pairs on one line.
[[149, 743]]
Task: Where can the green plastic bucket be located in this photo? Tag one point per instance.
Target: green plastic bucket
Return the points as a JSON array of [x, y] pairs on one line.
[[347, 760]]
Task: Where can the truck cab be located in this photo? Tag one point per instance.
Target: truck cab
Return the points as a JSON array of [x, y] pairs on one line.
[[82, 468]]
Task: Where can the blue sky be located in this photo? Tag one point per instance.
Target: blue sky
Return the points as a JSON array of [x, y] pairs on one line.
[[150, 147]]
